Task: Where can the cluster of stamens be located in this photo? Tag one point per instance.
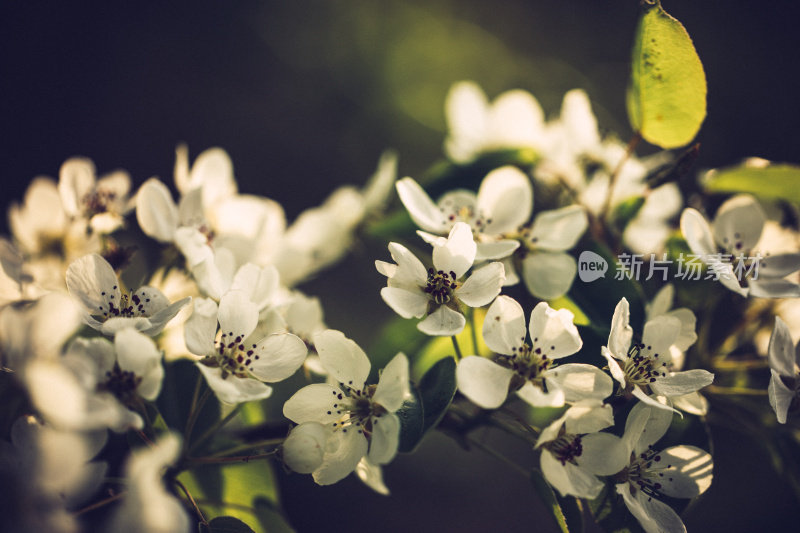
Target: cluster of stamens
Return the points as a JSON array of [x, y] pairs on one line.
[[463, 213], [128, 306], [356, 409], [642, 369], [528, 362], [98, 201], [232, 355], [646, 473], [121, 383], [566, 448], [441, 285]]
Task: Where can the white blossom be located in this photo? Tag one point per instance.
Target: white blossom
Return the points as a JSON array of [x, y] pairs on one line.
[[437, 293], [727, 247], [361, 418], [644, 366], [244, 355], [102, 202], [92, 281], [526, 361]]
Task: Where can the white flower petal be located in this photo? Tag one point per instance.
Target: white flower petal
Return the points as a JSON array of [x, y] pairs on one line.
[[693, 403], [739, 223], [697, 232], [773, 288], [569, 479], [559, 230], [458, 253], [201, 327], [237, 314], [156, 212], [406, 303], [603, 454], [656, 424], [260, 283], [780, 397], [137, 353], [640, 394], [504, 325], [680, 383], [160, 319], [653, 515], [342, 358], [688, 473], [421, 208], [372, 476], [779, 265], [581, 382], [278, 357], [659, 334], [92, 280], [548, 275], [484, 382], [76, 179], [537, 397], [483, 285], [385, 438], [409, 269], [495, 250], [233, 390], [619, 339], [553, 331], [505, 198], [516, 120], [343, 452], [466, 114], [304, 448], [313, 403], [613, 366], [393, 388], [444, 322]]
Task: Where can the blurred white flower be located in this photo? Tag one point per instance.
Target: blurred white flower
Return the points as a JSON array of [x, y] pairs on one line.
[[784, 383], [644, 366], [92, 281], [148, 507], [475, 126], [244, 354], [529, 366], [102, 203], [727, 246], [360, 419], [438, 292]]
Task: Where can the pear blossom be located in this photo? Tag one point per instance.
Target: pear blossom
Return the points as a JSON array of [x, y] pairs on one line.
[[102, 202], [360, 418], [320, 236], [412, 291], [661, 304], [499, 216], [48, 473], [244, 354], [784, 383], [514, 120], [530, 369], [92, 281], [644, 366], [727, 246], [577, 156], [677, 472], [574, 451], [148, 507]]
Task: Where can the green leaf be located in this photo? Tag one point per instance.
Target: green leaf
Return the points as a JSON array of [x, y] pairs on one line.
[[667, 93], [228, 524], [627, 211], [412, 419], [241, 490], [778, 181], [437, 389], [549, 499]]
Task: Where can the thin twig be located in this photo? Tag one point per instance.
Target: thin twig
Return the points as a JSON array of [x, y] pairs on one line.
[[194, 504], [101, 503], [457, 349]]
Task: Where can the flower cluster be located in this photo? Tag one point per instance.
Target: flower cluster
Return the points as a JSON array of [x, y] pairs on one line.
[[202, 363]]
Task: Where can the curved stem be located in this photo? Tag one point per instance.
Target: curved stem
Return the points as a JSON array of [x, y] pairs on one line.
[[457, 349], [194, 504], [101, 503], [233, 459], [216, 427], [193, 414]]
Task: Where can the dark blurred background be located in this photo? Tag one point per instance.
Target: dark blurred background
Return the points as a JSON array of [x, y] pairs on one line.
[[305, 95]]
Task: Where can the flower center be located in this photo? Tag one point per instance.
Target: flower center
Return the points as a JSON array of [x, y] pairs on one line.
[[134, 305], [232, 355], [642, 366], [441, 285], [121, 383], [98, 201], [566, 448], [356, 409], [646, 473], [528, 362]]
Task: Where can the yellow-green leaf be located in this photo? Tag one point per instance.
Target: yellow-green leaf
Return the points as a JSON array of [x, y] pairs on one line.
[[779, 181], [667, 94]]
